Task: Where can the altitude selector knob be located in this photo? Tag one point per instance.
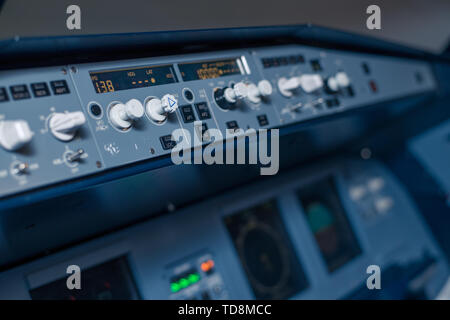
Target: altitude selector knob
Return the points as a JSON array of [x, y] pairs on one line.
[[159, 109], [227, 97], [64, 126], [122, 115], [14, 134]]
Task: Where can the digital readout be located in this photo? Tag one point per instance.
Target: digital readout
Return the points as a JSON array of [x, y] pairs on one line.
[[131, 78], [210, 69]]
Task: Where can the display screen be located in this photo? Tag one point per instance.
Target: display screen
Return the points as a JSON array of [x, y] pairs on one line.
[[111, 280], [131, 78], [266, 252], [211, 69], [328, 222]]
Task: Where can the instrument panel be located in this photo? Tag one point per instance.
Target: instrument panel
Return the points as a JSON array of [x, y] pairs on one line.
[[66, 122], [312, 237]]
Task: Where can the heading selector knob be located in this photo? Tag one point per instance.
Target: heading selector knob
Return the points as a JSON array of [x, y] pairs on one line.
[[14, 134], [123, 115], [158, 109], [255, 93], [64, 126]]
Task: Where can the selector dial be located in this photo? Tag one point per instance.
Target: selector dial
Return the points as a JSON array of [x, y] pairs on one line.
[[256, 92], [64, 126], [342, 79], [14, 134], [227, 97], [331, 85], [286, 86], [310, 82], [123, 115], [158, 109]]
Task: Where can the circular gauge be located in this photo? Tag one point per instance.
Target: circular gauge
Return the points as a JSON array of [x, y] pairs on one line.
[[264, 257]]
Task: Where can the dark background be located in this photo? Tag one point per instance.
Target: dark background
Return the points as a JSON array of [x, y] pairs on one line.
[[417, 23]]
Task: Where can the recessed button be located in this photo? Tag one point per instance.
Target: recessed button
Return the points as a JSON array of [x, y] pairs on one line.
[[167, 142], [202, 132], [232, 125], [59, 87], [40, 89], [19, 92], [3, 95], [188, 95], [95, 110], [187, 113], [316, 66], [203, 111], [262, 120]]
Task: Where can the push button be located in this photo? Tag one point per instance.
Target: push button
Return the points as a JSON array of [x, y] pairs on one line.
[[60, 87], [262, 120], [167, 142], [40, 89], [187, 113], [19, 92], [232, 125], [203, 111]]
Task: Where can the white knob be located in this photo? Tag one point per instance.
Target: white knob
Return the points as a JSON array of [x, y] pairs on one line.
[[342, 79], [310, 82], [332, 84], [14, 134], [265, 88], [123, 115], [286, 86], [239, 91], [158, 109], [65, 125], [255, 93]]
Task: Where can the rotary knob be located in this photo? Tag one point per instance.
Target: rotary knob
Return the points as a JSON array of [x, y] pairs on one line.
[[122, 115], [287, 86], [14, 134], [227, 97], [342, 79], [310, 82], [331, 85], [64, 126], [257, 92], [159, 109]]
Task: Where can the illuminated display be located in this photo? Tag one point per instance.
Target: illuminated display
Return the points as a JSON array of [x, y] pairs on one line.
[[131, 78], [327, 220], [211, 69]]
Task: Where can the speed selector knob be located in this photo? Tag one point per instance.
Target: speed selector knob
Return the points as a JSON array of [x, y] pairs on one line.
[[286, 86], [123, 115], [158, 109], [64, 126], [14, 134], [256, 92]]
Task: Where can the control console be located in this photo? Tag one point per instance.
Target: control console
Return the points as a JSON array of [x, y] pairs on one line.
[[65, 122]]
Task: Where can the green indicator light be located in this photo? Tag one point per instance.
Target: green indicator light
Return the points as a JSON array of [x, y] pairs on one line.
[[193, 278], [174, 287], [183, 283]]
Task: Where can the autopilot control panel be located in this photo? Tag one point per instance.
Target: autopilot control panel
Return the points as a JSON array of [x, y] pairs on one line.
[[62, 123]]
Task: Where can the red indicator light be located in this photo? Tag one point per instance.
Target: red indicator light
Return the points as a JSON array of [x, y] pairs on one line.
[[207, 266]]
